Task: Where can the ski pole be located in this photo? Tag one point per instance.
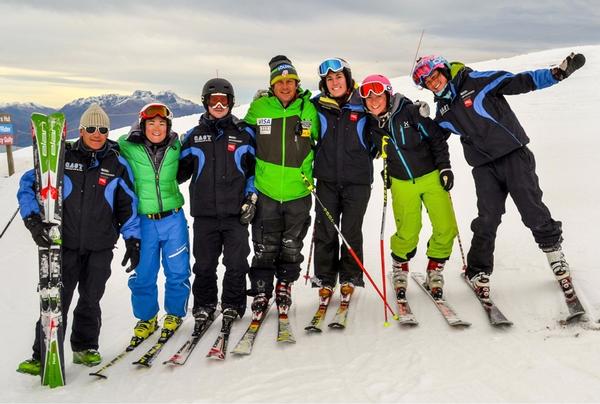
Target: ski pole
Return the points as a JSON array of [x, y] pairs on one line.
[[384, 142], [310, 253], [311, 188], [9, 222], [462, 252]]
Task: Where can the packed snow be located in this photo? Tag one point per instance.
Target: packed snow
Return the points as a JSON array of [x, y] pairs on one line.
[[535, 360]]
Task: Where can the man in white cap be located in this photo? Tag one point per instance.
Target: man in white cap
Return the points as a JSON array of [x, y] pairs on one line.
[[98, 202]]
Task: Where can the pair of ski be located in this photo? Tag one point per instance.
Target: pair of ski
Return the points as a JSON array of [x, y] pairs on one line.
[[218, 350], [284, 329], [407, 317], [49, 134], [340, 318]]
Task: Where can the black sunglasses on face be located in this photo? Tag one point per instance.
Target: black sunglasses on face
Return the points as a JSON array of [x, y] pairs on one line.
[[91, 129]]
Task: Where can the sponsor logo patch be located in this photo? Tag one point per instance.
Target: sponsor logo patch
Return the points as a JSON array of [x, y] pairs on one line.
[[263, 121], [306, 125], [231, 147], [102, 181], [468, 103], [264, 130], [353, 117]]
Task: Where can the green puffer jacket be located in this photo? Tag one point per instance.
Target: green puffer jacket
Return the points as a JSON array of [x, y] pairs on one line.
[[284, 142], [157, 188]]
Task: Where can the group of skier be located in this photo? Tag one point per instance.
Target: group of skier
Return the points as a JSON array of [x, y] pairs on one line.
[[260, 171]]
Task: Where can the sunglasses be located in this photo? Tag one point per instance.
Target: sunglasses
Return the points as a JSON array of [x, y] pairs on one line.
[[334, 64], [374, 87], [216, 99], [153, 110], [91, 129]]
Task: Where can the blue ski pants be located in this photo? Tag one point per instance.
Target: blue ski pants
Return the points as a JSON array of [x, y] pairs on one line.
[[165, 240]]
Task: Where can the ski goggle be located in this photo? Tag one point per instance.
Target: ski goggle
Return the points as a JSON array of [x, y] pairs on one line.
[[334, 64], [152, 110], [216, 99], [92, 129], [425, 67], [374, 87]]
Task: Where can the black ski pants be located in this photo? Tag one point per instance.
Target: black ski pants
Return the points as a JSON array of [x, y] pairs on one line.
[[212, 237], [347, 204], [278, 233], [88, 271], [514, 175]]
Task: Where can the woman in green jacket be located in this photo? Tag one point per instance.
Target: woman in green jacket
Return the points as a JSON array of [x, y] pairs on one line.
[[152, 150]]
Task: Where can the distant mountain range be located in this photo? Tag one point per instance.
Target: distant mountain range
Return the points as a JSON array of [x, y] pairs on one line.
[[122, 109]]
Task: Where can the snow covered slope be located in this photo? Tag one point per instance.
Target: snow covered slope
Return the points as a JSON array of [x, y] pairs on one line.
[[535, 360]]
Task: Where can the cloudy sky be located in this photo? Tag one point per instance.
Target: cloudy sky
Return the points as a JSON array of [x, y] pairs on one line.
[[55, 51]]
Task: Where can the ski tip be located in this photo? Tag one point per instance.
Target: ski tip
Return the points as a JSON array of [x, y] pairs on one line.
[[98, 375]]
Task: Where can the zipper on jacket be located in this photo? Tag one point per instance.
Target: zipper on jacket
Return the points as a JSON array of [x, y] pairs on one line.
[[406, 167], [282, 154], [157, 172]]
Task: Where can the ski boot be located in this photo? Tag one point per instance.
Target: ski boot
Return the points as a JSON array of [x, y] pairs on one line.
[[87, 357], [481, 284], [202, 315], [144, 328], [400, 278], [346, 290], [560, 268], [30, 366], [283, 294], [260, 303], [435, 279], [172, 322], [325, 292]]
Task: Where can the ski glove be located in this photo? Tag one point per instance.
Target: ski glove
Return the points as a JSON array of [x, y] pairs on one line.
[[568, 66], [132, 254], [423, 108], [40, 231], [447, 179], [248, 209]]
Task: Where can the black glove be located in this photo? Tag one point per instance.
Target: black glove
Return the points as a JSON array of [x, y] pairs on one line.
[[132, 254], [388, 183], [248, 209], [447, 179], [568, 66], [40, 231]]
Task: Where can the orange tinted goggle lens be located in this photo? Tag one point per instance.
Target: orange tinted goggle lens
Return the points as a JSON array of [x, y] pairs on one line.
[[156, 110], [215, 99], [373, 87]]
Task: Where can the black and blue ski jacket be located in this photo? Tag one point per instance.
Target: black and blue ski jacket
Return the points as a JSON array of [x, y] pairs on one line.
[[416, 144], [98, 198], [344, 151], [476, 109], [219, 156]]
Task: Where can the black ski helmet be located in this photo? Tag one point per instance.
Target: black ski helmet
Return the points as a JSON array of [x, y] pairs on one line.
[[347, 74], [218, 85]]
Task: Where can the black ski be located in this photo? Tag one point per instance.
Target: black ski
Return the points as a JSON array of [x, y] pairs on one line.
[[495, 316], [219, 349], [183, 353]]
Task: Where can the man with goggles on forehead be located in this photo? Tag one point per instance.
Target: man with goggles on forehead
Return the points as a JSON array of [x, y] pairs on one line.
[[343, 168], [153, 150], [419, 173], [472, 104], [286, 124], [218, 155], [98, 203]]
